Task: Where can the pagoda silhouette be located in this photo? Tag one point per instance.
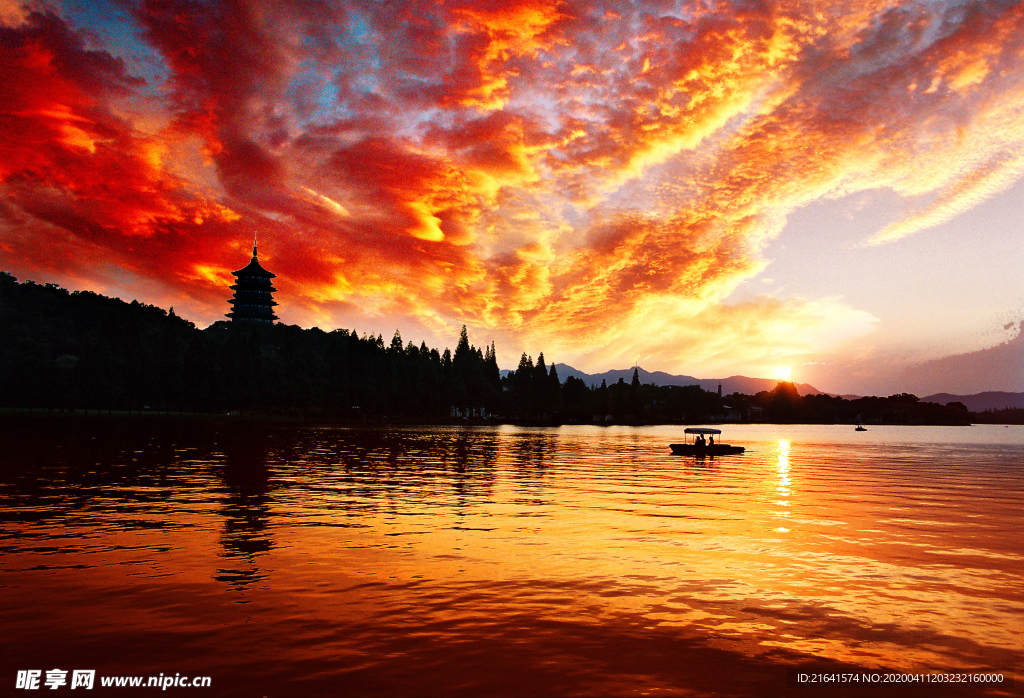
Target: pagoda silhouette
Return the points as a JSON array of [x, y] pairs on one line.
[[253, 300]]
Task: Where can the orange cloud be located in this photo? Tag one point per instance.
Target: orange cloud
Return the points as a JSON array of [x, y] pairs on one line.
[[603, 172]]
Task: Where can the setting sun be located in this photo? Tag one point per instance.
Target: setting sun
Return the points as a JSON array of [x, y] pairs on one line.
[[597, 181], [783, 372]]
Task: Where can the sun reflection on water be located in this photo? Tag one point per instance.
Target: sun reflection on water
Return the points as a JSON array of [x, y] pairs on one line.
[[344, 546], [782, 489]]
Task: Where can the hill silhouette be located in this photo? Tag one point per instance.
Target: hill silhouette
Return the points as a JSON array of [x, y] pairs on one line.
[[979, 402], [998, 368], [732, 384], [62, 350]]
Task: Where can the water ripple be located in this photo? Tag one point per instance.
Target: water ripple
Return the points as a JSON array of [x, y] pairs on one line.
[[580, 559]]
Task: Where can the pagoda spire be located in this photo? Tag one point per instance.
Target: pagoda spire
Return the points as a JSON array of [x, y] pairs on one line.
[[254, 255]]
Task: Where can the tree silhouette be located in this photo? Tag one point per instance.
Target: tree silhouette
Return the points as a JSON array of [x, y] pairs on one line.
[[82, 350]]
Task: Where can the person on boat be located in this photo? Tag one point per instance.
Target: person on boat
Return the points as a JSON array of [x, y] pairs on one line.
[[700, 441], [711, 441]]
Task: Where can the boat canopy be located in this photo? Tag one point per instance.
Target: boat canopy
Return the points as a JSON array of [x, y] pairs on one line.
[[701, 430]]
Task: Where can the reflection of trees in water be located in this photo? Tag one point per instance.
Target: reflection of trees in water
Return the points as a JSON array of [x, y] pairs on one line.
[[470, 458], [388, 468], [127, 472], [122, 471], [245, 508], [531, 451], [531, 454]]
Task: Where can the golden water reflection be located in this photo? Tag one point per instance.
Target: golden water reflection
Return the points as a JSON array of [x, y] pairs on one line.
[[583, 559], [783, 486]]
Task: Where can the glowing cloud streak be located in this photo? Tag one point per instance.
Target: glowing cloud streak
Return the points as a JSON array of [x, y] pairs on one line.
[[592, 177]]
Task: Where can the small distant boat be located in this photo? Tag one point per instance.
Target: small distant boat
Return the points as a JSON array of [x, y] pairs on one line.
[[695, 448], [860, 427]]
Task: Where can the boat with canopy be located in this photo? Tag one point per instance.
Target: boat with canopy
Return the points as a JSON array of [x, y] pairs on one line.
[[701, 445]]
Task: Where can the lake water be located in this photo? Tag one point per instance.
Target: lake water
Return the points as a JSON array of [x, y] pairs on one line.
[[283, 561]]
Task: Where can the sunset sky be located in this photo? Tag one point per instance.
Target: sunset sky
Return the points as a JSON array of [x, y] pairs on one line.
[[708, 188]]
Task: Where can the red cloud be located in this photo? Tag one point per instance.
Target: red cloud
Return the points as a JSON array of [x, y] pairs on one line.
[[72, 164], [524, 167]]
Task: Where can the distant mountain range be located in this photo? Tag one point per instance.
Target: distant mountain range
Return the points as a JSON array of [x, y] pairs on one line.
[[981, 401], [752, 386], [732, 384], [998, 368]]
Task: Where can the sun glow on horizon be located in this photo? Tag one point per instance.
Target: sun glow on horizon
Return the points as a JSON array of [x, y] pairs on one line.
[[595, 180]]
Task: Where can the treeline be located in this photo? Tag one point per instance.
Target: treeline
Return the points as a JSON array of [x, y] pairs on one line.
[[61, 350], [1006, 415], [81, 350], [633, 403], [784, 405]]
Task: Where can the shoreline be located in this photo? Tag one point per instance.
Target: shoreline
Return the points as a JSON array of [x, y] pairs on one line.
[[153, 416]]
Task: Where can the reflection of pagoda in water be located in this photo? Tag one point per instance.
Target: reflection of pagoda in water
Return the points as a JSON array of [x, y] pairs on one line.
[[253, 300], [246, 506]]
